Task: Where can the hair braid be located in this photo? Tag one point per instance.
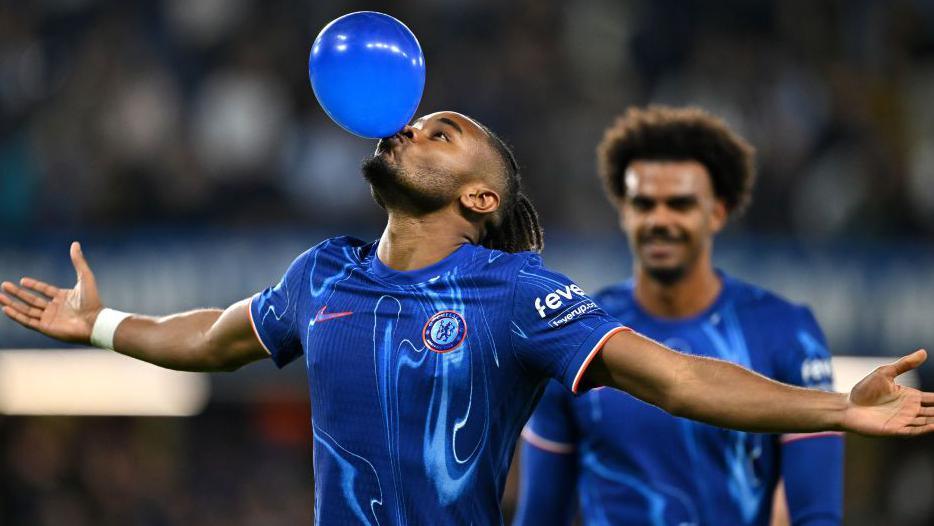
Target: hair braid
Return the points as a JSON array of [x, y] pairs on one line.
[[518, 231], [518, 228]]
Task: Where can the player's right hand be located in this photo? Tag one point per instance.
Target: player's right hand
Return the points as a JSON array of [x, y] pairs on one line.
[[63, 314]]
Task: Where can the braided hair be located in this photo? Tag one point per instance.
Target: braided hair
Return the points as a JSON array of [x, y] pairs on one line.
[[517, 228]]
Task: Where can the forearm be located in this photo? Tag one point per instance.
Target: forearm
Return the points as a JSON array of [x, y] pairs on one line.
[[199, 340], [727, 395], [712, 391], [178, 341]]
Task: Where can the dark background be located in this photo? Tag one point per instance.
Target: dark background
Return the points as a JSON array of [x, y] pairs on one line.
[[181, 142]]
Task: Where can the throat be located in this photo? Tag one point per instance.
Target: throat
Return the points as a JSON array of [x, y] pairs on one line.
[[411, 243], [685, 298]]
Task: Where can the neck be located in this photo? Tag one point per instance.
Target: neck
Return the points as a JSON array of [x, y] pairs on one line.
[[412, 242], [687, 297]]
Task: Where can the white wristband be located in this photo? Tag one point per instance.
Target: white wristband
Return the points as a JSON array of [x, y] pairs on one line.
[[102, 335]]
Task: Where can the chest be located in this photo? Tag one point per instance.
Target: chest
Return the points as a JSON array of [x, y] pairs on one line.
[[365, 342]]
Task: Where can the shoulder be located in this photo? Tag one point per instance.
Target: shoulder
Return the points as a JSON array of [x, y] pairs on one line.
[[332, 253], [491, 260], [616, 298], [341, 246], [767, 305]]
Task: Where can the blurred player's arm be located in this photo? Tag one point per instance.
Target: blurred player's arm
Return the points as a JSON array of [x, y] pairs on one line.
[[727, 395], [811, 464], [200, 340], [812, 467], [547, 487], [548, 464]]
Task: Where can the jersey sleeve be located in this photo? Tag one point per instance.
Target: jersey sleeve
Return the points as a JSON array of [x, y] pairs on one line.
[[812, 467], [812, 463], [548, 465], [556, 329], [551, 427], [274, 311], [805, 360]]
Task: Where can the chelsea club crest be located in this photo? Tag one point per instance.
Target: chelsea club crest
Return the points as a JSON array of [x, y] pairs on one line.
[[445, 331]]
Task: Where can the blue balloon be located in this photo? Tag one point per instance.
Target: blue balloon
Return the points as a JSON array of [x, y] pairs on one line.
[[368, 73]]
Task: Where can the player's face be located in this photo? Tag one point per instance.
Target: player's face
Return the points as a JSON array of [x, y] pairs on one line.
[[426, 164], [670, 214]]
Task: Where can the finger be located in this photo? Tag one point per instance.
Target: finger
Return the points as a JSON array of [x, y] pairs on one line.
[[32, 312], [926, 411], [22, 295], [919, 430], [82, 269], [921, 421], [40, 286], [22, 319], [907, 363], [927, 398]]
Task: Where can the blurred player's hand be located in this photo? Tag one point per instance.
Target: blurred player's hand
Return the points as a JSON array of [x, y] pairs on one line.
[[64, 314], [878, 406]]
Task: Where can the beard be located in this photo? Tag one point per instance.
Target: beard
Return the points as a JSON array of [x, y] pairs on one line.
[[395, 188], [376, 170], [674, 272], [666, 275]]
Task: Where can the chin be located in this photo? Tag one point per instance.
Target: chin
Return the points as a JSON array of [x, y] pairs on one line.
[[378, 169], [666, 274]]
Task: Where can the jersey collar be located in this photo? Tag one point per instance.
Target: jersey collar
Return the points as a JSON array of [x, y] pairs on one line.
[[462, 254]]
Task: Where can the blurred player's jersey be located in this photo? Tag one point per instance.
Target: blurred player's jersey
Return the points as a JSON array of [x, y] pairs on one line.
[[421, 381], [640, 466]]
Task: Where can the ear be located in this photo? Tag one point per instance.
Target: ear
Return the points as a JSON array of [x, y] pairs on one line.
[[480, 199], [720, 216]]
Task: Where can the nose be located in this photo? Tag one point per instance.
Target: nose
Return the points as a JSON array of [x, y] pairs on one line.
[[659, 216], [661, 219], [407, 132]]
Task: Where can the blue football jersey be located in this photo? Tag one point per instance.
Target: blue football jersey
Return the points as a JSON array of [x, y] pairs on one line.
[[421, 381], [638, 465]]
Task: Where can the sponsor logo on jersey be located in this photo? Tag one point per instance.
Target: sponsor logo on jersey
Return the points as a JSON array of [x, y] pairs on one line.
[[445, 331], [557, 299], [816, 372], [578, 309]]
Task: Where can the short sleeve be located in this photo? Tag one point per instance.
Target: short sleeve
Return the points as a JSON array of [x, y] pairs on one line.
[[556, 329], [273, 313], [552, 427], [806, 360]]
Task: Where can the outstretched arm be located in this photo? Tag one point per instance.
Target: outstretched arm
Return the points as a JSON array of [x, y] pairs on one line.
[[200, 340], [727, 395]]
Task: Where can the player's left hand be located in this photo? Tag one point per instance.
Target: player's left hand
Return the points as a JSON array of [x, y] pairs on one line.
[[880, 407]]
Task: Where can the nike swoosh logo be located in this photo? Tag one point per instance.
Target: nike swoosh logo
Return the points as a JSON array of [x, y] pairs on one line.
[[325, 316]]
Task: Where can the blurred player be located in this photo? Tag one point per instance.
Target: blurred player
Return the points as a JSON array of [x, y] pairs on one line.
[[676, 176], [427, 349]]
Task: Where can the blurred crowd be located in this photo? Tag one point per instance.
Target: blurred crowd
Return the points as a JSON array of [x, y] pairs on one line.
[[227, 467], [250, 465], [117, 114]]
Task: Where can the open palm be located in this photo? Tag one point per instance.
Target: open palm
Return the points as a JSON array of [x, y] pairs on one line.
[[878, 406], [63, 314]]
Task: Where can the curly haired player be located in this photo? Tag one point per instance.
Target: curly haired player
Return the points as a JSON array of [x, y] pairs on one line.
[[677, 175]]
